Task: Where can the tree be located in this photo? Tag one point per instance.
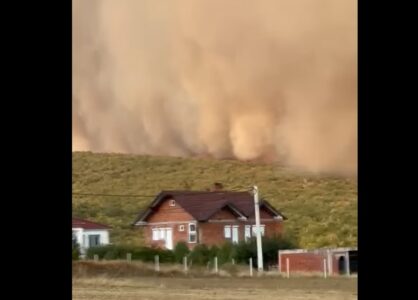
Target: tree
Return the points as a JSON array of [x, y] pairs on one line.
[[180, 251]]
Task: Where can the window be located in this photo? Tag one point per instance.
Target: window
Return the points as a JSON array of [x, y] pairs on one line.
[[172, 203], [155, 235], [74, 238], [192, 233], [247, 232], [161, 235], [255, 230], [181, 227], [94, 240], [227, 232], [235, 235]]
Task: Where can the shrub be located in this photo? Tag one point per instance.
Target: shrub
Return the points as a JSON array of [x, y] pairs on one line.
[[226, 253], [181, 250], [75, 252], [112, 252], [200, 254], [270, 246]]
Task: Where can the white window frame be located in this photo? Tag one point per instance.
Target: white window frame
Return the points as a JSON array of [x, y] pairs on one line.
[[232, 234], [227, 232], [99, 239], [161, 233], [192, 232], [155, 234], [247, 233], [254, 230]]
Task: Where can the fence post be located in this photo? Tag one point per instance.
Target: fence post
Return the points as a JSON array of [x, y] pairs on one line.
[[96, 257], [251, 266], [233, 261], [347, 261], [128, 257], [185, 264], [157, 263], [325, 268], [216, 264], [287, 267]]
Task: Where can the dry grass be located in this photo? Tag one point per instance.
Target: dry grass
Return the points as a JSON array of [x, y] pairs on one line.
[[322, 209], [266, 288], [137, 280], [124, 269]]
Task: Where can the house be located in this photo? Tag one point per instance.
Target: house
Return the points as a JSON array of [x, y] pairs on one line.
[[333, 261], [89, 234], [206, 217]]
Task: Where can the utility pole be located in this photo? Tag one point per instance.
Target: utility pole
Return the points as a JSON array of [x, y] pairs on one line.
[[257, 225]]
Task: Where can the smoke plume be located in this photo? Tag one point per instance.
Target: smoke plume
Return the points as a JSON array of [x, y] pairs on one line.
[[269, 79]]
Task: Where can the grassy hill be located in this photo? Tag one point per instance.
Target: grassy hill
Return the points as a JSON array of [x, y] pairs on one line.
[[322, 209]]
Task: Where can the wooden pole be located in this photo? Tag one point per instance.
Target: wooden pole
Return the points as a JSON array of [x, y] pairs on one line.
[[128, 257], [287, 267], [325, 268], [251, 266], [258, 233], [347, 261], [185, 264], [216, 264], [157, 263]]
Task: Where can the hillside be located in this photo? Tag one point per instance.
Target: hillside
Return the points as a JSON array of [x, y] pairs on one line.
[[322, 210]]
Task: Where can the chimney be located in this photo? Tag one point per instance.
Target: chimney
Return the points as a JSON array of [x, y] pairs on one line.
[[217, 186]]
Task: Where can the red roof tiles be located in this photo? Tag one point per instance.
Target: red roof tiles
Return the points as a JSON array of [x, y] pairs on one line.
[[80, 223], [202, 205]]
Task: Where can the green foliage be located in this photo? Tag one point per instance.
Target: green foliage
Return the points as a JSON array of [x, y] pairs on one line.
[[270, 246], [226, 253], [180, 250], [75, 252], [200, 254], [112, 252], [322, 209]]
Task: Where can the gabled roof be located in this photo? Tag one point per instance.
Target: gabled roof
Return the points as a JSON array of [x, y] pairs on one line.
[[80, 223], [202, 205]]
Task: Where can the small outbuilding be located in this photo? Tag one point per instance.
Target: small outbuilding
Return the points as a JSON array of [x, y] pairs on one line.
[[89, 234], [333, 261]]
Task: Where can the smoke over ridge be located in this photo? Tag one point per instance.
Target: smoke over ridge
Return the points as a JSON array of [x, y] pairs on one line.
[[240, 79]]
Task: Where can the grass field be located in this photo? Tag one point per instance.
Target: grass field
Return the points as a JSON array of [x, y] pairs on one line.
[[153, 288], [322, 209], [105, 280]]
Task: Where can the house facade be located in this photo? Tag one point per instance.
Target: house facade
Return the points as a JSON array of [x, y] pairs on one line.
[[89, 234], [210, 218]]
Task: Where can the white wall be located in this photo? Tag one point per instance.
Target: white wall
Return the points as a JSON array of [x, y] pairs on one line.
[[83, 239]]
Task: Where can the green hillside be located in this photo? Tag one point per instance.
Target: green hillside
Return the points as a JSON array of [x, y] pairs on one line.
[[322, 209]]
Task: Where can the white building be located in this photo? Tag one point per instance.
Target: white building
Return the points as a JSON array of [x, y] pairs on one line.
[[89, 234]]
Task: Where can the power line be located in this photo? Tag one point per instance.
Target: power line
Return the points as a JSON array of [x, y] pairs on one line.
[[153, 196], [111, 195]]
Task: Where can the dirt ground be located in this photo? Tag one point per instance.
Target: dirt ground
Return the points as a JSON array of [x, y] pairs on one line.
[[153, 288]]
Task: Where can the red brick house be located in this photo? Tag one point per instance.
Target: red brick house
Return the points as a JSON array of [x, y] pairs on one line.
[[205, 218]]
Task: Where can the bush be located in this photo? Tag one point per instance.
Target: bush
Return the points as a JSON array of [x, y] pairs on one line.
[[146, 254], [226, 253], [181, 250], [271, 246], [200, 254], [75, 252]]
